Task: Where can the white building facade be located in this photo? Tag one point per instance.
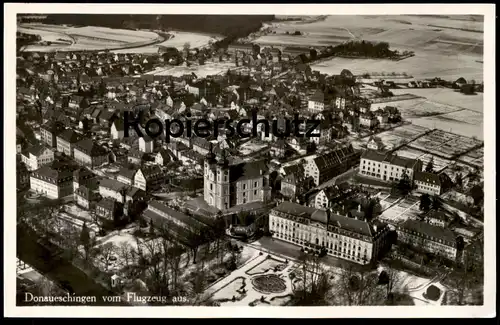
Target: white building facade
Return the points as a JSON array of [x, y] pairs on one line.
[[315, 229]]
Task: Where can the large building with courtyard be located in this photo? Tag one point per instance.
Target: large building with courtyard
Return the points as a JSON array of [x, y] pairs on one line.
[[348, 238]]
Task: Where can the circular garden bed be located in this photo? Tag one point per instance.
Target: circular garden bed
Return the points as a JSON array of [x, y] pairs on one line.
[[270, 283]]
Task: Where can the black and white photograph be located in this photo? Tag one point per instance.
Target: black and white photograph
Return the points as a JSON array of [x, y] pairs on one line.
[[284, 156]]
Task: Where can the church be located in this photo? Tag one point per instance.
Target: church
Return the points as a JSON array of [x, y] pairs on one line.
[[229, 184]]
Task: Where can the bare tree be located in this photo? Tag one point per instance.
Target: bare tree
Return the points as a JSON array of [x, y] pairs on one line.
[[97, 221], [172, 254], [186, 47], [70, 235], [88, 242], [316, 281], [359, 288], [125, 251], [107, 251], [157, 276], [392, 279]]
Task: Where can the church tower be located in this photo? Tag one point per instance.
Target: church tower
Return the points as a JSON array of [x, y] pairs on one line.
[[209, 177], [223, 181]]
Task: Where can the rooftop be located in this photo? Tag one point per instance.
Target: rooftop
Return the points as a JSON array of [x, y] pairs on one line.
[[389, 158]]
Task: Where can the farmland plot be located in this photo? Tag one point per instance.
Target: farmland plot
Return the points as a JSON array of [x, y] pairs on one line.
[[475, 154], [439, 163], [444, 123], [463, 122], [422, 65], [46, 35], [444, 143], [417, 108], [194, 39]]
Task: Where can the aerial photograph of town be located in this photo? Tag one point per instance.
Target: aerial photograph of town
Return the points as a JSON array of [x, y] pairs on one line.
[[249, 160]]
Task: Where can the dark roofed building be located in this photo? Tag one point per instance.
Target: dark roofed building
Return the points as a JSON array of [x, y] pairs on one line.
[[126, 176], [316, 102], [88, 153], [428, 183], [244, 48], [149, 178], [85, 177], [326, 166], [67, 140], [49, 132], [51, 182], [179, 225], [109, 209], [430, 238], [85, 197]]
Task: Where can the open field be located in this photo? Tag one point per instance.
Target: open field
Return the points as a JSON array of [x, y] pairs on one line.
[[446, 96], [475, 157], [422, 65], [87, 38], [178, 39], [47, 35], [421, 107], [444, 109], [447, 52], [449, 123]]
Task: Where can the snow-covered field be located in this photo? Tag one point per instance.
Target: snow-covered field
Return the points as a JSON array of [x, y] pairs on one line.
[[446, 96], [46, 35], [422, 107], [416, 286], [193, 39], [200, 70], [444, 109], [178, 39], [462, 49], [449, 123], [87, 38], [422, 65]]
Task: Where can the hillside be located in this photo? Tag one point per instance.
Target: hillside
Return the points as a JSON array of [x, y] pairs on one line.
[[227, 25]]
